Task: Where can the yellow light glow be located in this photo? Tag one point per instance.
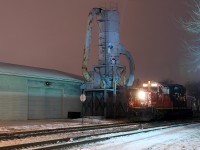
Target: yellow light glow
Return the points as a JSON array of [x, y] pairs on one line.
[[141, 95], [154, 84], [145, 85]]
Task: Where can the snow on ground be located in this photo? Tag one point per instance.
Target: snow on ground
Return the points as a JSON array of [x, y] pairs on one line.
[[177, 138], [27, 125]]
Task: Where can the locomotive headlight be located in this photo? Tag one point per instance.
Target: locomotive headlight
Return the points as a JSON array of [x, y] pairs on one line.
[[141, 95]]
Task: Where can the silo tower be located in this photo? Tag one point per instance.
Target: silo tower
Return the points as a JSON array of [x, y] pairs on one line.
[[109, 74]]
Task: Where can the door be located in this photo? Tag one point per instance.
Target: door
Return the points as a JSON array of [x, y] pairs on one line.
[[44, 103]]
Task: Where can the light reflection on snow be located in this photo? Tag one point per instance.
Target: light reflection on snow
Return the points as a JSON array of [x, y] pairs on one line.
[[177, 138]]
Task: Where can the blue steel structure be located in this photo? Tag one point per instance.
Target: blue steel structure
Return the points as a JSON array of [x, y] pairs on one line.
[[109, 73]]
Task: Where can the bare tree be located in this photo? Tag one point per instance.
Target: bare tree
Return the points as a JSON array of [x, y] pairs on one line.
[[193, 26], [193, 90]]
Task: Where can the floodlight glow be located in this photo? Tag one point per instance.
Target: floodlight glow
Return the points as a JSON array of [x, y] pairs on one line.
[[154, 84], [141, 95], [145, 85]]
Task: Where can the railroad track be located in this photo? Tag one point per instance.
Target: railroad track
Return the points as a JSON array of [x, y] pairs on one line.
[[25, 134], [101, 133], [99, 138]]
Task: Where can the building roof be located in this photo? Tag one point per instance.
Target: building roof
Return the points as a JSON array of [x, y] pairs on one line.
[[19, 70]]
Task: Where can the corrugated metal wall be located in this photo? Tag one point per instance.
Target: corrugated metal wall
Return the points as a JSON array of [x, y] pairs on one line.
[[13, 98], [44, 103], [23, 98], [13, 106]]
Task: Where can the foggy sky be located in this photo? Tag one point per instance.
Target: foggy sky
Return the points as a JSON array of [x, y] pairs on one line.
[[51, 34]]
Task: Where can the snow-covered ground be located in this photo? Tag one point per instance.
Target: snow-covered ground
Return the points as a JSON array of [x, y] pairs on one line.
[[177, 138], [27, 125]]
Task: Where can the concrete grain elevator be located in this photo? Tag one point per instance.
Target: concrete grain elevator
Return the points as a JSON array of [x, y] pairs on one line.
[[105, 84]]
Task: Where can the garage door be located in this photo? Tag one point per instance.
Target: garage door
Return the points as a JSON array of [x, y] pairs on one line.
[[44, 103]]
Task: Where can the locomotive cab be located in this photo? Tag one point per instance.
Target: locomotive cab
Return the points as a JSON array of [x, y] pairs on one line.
[[156, 100], [151, 94]]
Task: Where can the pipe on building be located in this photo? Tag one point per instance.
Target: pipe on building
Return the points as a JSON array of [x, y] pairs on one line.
[[131, 64], [93, 12]]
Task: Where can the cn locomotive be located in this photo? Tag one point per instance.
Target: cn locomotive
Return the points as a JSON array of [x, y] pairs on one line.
[[154, 101]]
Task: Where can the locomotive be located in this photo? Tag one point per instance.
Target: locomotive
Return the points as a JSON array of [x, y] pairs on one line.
[[154, 101]]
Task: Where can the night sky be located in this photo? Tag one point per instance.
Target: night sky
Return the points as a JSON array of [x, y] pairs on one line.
[[51, 34]]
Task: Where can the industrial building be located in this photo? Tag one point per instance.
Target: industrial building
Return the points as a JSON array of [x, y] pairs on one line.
[[106, 85], [35, 93]]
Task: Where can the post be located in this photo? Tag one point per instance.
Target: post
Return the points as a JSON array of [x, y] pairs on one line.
[[105, 103], [82, 99], [93, 103], [82, 113], [114, 91]]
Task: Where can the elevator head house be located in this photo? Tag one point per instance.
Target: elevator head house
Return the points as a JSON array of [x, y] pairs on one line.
[[36, 93]]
